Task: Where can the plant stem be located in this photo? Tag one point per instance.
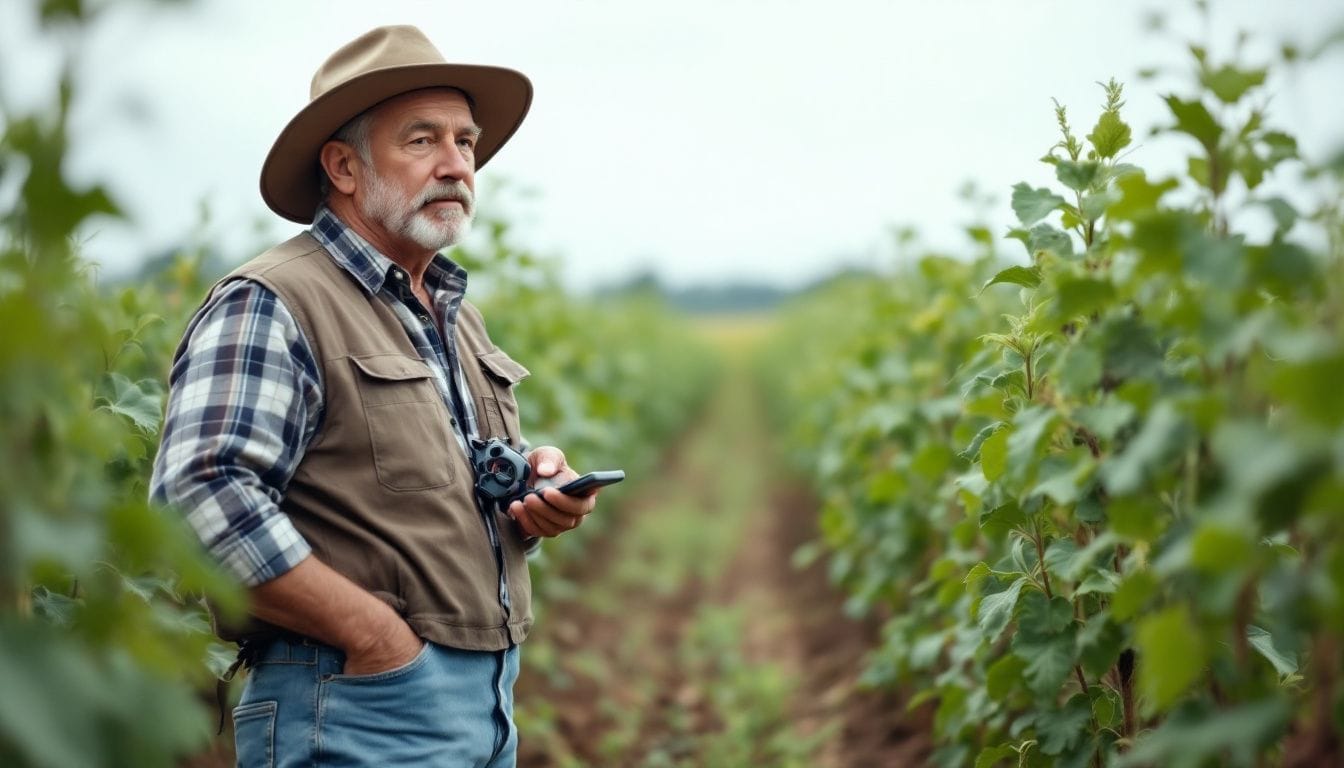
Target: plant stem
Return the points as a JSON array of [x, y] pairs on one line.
[[1124, 668]]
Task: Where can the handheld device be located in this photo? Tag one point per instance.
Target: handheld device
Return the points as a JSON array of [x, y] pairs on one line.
[[587, 483], [502, 474]]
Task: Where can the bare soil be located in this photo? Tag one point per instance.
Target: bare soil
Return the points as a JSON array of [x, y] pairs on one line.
[[796, 624]]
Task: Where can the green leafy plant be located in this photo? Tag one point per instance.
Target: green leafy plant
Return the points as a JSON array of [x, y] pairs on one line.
[[98, 590], [1103, 513]]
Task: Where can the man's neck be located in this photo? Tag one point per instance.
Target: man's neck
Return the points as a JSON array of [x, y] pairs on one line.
[[403, 252]]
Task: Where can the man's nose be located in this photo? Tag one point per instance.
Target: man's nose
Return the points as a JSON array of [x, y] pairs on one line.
[[454, 163]]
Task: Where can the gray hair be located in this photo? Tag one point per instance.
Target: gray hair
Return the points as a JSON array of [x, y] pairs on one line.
[[355, 133]]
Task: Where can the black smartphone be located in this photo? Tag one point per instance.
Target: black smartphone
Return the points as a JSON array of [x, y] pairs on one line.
[[586, 484]]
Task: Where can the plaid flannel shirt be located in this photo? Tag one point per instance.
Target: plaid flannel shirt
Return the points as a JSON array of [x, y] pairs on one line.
[[246, 399]]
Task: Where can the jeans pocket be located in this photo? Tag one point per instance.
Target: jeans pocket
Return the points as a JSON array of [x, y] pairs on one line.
[[254, 734], [386, 675]]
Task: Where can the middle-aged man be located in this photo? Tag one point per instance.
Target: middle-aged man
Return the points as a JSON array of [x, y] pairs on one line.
[[322, 412]]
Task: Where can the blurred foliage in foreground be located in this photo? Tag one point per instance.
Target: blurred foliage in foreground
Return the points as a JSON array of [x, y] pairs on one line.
[[104, 648], [102, 640], [1099, 496]]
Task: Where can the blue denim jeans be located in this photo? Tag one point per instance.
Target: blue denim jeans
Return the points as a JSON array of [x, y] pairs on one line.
[[446, 707]]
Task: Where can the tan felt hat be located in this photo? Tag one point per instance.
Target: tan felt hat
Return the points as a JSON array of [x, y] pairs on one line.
[[380, 64]]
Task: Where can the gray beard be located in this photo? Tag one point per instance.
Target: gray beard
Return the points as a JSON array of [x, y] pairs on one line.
[[431, 230]]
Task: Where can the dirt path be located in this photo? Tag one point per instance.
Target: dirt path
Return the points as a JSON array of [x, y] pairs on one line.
[[690, 638]]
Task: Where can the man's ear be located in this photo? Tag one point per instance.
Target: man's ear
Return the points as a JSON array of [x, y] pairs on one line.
[[339, 162]]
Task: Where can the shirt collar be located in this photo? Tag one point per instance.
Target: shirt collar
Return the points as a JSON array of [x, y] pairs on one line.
[[369, 267]]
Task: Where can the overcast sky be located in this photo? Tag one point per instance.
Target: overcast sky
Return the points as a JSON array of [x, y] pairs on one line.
[[706, 140]]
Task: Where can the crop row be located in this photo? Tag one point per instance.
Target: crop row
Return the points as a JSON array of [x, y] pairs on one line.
[[1097, 495]]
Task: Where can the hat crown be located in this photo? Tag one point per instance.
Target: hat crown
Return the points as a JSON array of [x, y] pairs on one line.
[[381, 48]]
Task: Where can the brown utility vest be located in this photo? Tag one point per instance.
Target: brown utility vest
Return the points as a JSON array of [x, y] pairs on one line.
[[384, 494]]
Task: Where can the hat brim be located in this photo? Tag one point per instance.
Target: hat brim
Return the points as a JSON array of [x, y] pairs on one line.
[[290, 176]]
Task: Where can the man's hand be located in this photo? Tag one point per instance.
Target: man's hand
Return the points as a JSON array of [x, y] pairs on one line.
[[551, 513], [393, 645], [314, 600]]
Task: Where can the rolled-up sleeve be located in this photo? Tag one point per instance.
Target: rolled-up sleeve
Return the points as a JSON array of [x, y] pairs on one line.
[[245, 399]]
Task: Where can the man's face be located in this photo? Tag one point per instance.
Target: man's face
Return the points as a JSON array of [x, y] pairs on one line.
[[421, 187]]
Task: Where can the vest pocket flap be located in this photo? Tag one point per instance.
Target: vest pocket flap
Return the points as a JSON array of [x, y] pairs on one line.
[[392, 367], [502, 366]]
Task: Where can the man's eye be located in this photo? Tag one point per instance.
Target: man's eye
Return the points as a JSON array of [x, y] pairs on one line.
[[422, 140], [466, 143]]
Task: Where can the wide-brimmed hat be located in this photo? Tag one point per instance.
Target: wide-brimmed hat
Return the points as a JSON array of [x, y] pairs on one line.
[[380, 64]]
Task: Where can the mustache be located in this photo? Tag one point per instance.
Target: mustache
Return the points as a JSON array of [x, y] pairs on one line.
[[456, 191]]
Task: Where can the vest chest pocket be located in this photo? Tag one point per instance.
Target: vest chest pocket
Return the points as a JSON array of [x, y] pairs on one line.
[[498, 402], [407, 420]]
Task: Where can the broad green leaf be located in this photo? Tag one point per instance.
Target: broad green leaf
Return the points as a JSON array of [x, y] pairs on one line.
[[1094, 205], [1192, 742], [1197, 168], [1106, 418], [932, 461], [1032, 205], [1110, 135], [976, 575], [996, 610], [1160, 238], [996, 523], [1067, 482], [1004, 675], [1217, 548], [1162, 437], [1268, 469], [1098, 582], [1063, 728], [1049, 658], [972, 451], [1081, 296], [1026, 443], [56, 608], [1029, 277], [994, 455], [1281, 146], [1193, 119], [1172, 656], [1230, 83], [1096, 554], [219, 657], [1262, 641], [1089, 509], [1131, 353], [1133, 595], [74, 544], [1046, 238], [1285, 215], [992, 756], [1216, 261], [1312, 387], [1077, 176], [1041, 617], [885, 487], [1285, 269], [1100, 642], [1251, 166], [1078, 369], [1138, 196], [980, 235], [1107, 708], [137, 402], [41, 728]]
